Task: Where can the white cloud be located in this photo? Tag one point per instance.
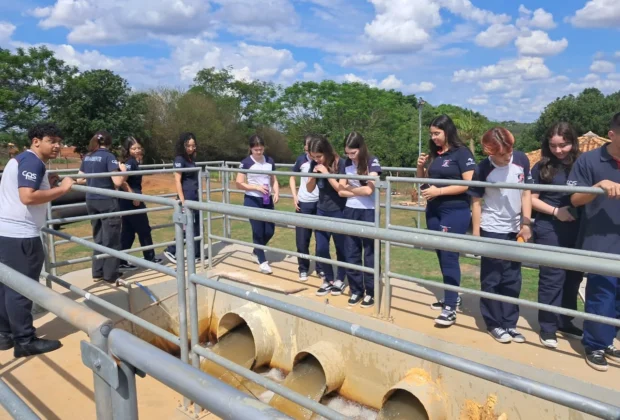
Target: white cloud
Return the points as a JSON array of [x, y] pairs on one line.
[[478, 100], [613, 76], [538, 44], [361, 59], [602, 66], [496, 85], [617, 54], [402, 25], [516, 93], [353, 78], [467, 10], [291, 72], [529, 68], [391, 82], [591, 78], [6, 30], [421, 87], [40, 12], [497, 35], [317, 74], [607, 86], [598, 13], [538, 19]]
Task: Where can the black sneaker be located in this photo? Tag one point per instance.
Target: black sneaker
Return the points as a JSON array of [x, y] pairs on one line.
[[438, 306], [612, 353], [6, 341], [500, 335], [36, 346], [517, 337], [355, 299], [447, 317], [338, 288], [97, 279], [596, 360], [325, 289], [368, 302], [549, 340], [157, 260], [124, 268], [571, 331], [170, 257]]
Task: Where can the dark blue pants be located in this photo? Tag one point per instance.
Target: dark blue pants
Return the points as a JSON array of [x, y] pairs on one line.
[[262, 232], [303, 236], [106, 232], [322, 247], [137, 224], [24, 255], [556, 286], [602, 298], [503, 278], [453, 220], [192, 196], [355, 248]]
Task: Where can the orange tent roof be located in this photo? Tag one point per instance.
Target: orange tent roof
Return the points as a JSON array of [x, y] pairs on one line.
[[587, 142]]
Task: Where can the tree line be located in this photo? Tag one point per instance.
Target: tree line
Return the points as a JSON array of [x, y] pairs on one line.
[[223, 111]]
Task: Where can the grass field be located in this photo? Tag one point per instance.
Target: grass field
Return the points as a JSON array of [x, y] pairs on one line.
[[416, 263]]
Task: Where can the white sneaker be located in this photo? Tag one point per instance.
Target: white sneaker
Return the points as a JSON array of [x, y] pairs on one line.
[[303, 276], [265, 269]]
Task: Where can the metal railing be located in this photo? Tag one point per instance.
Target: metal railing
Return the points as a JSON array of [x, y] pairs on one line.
[[420, 238]]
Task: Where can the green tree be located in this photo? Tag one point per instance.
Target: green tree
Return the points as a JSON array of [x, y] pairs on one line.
[[29, 81], [98, 100]]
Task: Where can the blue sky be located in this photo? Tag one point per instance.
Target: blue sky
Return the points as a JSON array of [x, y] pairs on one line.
[[505, 59]]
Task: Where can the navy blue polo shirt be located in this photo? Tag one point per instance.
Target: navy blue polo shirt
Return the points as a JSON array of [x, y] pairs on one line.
[[100, 161], [600, 224], [451, 165], [134, 182], [329, 200], [555, 199], [189, 180]]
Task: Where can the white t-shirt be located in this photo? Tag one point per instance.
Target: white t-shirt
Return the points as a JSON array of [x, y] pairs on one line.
[[18, 220], [361, 202], [258, 179], [303, 165]]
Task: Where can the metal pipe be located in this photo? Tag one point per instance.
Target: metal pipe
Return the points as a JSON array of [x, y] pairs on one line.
[[125, 397], [226, 199], [106, 215], [180, 221], [297, 174], [386, 267], [201, 222], [266, 383], [126, 195], [221, 399], [377, 254], [15, 406], [417, 209], [120, 173], [160, 332], [209, 223], [51, 246], [512, 381]]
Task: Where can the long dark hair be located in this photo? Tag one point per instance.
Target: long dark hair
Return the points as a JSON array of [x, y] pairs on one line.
[[127, 145], [182, 142], [444, 123], [320, 144], [101, 139], [354, 140], [551, 165], [254, 141]]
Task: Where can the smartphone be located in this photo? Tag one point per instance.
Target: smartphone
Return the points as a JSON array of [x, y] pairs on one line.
[[424, 187]]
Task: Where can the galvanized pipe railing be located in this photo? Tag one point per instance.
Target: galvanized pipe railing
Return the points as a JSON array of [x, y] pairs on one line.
[[15, 406]]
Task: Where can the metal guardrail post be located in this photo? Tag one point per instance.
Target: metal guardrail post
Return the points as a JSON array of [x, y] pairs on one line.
[[103, 390], [226, 200], [386, 267], [180, 221], [377, 254], [209, 220], [50, 256], [201, 221], [15, 406], [125, 397]]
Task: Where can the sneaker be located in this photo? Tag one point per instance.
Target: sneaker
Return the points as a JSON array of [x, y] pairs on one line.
[[303, 276], [368, 302], [612, 353], [549, 340], [170, 257], [325, 288], [447, 317], [338, 288], [500, 335], [517, 337], [265, 269], [438, 306], [354, 299], [97, 279], [6, 341], [123, 268], [35, 346], [571, 331], [596, 360], [157, 260]]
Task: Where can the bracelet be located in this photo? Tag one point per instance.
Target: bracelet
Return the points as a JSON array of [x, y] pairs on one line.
[[555, 210]]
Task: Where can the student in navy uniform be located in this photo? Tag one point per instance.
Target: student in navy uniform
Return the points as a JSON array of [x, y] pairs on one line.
[[24, 191], [106, 232], [262, 191], [360, 205], [305, 203], [135, 223], [600, 231], [186, 185], [447, 207], [556, 226], [501, 214], [326, 161]]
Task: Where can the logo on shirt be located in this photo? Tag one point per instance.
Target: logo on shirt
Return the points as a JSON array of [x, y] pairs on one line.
[[177, 164], [571, 183], [470, 162], [375, 162], [446, 163], [29, 176], [128, 167], [115, 162], [92, 159]]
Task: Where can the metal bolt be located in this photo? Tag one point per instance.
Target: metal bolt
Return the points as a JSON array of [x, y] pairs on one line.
[[97, 364]]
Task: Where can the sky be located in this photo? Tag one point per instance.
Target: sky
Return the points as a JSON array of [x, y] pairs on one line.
[[505, 59]]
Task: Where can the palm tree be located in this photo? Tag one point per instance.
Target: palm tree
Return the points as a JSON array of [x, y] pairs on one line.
[[469, 128]]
